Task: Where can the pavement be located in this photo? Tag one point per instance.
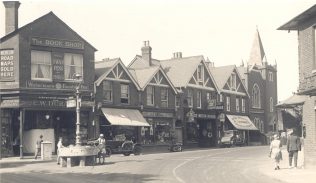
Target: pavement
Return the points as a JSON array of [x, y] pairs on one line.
[[285, 174]]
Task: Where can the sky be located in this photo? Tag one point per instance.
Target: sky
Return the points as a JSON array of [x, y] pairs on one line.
[[221, 30]]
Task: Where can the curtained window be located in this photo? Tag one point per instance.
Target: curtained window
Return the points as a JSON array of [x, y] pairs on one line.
[[73, 65], [164, 97], [124, 94], [150, 95], [41, 65], [107, 91]]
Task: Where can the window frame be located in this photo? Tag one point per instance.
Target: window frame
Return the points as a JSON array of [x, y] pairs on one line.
[[199, 99], [190, 97], [237, 105], [150, 95], [200, 73], [271, 105], [127, 93], [50, 77], [256, 96], [80, 66], [228, 103], [233, 81], [164, 100], [243, 105], [106, 90]]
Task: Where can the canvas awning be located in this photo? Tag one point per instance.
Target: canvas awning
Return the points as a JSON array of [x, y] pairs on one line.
[[241, 122], [124, 117]]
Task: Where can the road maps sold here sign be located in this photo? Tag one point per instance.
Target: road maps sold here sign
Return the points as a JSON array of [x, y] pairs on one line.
[[7, 65]]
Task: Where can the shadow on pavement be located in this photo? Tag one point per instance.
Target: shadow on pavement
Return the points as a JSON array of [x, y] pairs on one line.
[[82, 177], [16, 164]]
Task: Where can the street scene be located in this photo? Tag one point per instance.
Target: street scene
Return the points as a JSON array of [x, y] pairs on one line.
[[245, 164], [115, 91]]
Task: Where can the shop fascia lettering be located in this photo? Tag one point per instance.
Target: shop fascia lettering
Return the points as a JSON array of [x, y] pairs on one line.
[[57, 43]]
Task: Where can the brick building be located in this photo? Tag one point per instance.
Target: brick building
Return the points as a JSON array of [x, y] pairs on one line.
[[38, 65], [304, 24], [260, 79]]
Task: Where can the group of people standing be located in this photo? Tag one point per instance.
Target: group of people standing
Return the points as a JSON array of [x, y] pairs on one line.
[[293, 145]]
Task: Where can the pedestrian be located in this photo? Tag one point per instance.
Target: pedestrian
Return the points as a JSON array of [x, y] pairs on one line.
[[38, 146], [275, 151], [293, 146], [59, 145]]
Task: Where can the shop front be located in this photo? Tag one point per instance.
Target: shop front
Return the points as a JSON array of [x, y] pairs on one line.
[[201, 127], [161, 129], [122, 124], [244, 126], [27, 117]]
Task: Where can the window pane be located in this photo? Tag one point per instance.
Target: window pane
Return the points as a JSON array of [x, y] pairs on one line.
[[73, 65], [41, 67], [124, 94]]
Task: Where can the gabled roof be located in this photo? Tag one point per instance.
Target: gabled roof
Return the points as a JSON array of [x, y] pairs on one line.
[[257, 54], [139, 62], [223, 73], [181, 70], [51, 14], [108, 66], [104, 66], [295, 23], [144, 75]]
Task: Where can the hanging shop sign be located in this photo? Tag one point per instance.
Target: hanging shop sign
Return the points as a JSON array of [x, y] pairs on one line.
[[206, 116], [50, 42], [158, 114], [7, 65]]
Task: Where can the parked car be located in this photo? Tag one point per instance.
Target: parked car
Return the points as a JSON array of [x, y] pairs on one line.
[[125, 147], [232, 138]]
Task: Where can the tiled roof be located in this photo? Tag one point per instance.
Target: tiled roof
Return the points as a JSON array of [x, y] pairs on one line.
[[104, 66], [180, 70], [138, 62], [144, 75], [292, 101], [221, 74]]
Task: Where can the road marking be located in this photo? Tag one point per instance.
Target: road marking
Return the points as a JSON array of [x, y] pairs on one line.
[[189, 160]]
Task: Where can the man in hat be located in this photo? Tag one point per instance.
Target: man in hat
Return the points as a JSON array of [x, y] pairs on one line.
[[38, 146], [293, 146], [101, 140]]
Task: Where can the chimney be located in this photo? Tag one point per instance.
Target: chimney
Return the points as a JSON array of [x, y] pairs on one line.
[[11, 16], [146, 52], [177, 55]]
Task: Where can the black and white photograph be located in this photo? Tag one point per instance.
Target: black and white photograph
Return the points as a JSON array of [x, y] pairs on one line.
[[157, 91]]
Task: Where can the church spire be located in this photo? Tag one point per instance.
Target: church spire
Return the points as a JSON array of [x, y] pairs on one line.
[[257, 54]]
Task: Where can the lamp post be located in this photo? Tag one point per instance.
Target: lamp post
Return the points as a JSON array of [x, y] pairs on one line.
[[78, 101]]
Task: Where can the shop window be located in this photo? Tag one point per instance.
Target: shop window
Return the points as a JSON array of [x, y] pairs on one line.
[[192, 132], [107, 91], [237, 105], [190, 97], [198, 99], [150, 95], [41, 65], [6, 136], [164, 97], [228, 103], [162, 132], [73, 65], [124, 94]]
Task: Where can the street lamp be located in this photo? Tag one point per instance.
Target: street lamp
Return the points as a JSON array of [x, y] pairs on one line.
[[78, 101]]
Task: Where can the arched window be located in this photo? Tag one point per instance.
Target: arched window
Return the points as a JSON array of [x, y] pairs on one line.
[[256, 103], [271, 104]]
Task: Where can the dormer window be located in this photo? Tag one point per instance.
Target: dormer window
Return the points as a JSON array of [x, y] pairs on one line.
[[270, 76]]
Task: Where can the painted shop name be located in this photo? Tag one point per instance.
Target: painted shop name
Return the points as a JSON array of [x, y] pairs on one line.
[[57, 43]]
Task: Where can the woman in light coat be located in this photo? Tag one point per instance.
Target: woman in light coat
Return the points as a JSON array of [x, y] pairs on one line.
[[275, 151]]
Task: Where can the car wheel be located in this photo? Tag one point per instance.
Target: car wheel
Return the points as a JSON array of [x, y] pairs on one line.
[[137, 150], [126, 153]]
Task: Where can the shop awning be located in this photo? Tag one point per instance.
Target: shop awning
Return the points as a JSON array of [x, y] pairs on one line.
[[241, 122], [124, 117]]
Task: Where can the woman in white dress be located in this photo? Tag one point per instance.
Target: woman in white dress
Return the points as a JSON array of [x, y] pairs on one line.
[[275, 151]]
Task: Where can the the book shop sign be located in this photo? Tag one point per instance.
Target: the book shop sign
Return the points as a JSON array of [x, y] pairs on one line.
[[50, 42], [7, 65]]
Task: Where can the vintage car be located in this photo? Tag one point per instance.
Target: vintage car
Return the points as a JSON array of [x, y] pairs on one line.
[[232, 138], [125, 147]]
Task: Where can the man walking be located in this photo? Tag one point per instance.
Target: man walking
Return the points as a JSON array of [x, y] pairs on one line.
[[38, 146], [293, 146]]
